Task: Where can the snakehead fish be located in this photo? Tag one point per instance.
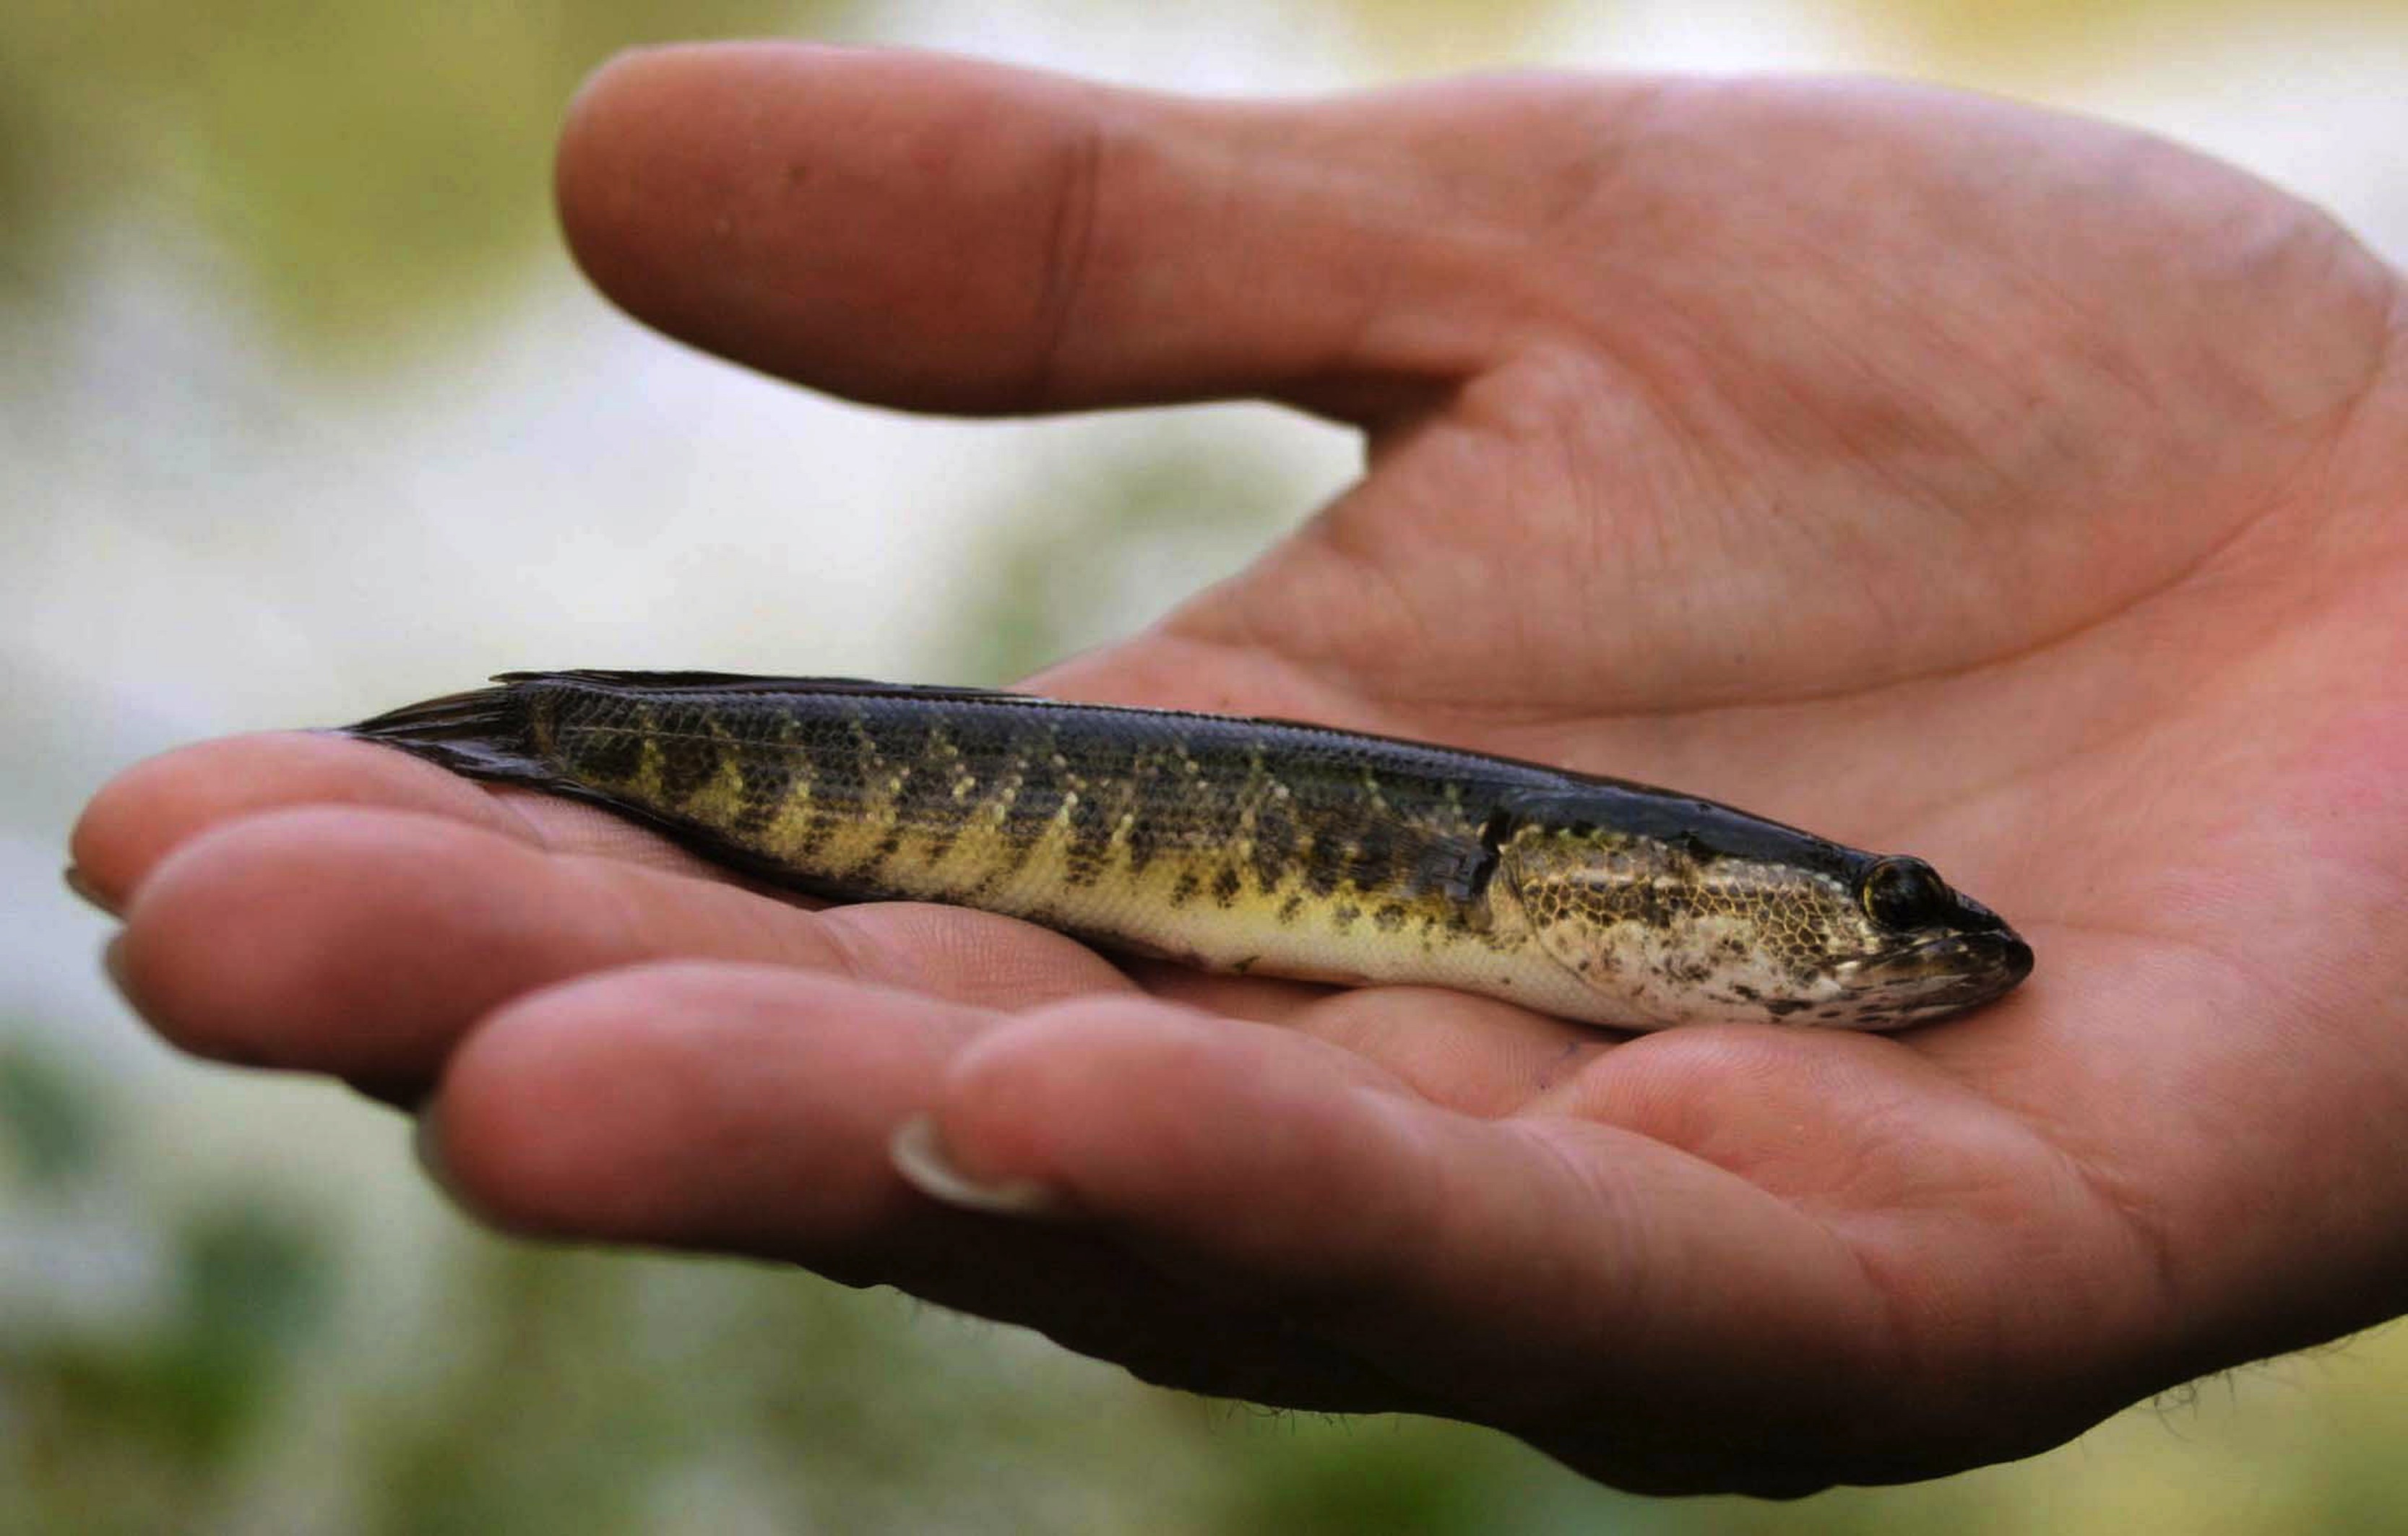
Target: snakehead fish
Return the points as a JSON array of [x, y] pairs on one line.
[[1247, 845]]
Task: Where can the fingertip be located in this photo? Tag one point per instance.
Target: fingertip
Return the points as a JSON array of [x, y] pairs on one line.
[[920, 1155], [550, 1117], [202, 957], [691, 1102], [642, 186], [140, 812], [806, 210], [350, 940], [149, 811], [1058, 1097], [631, 84], [82, 887], [1213, 1134], [622, 98]]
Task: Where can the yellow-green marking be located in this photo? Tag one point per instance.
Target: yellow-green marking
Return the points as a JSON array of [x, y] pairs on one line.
[[1246, 846]]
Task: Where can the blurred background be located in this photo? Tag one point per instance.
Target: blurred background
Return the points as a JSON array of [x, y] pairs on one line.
[[304, 412]]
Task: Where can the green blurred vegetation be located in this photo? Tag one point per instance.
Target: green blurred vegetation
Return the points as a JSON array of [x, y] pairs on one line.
[[51, 1129], [2015, 38], [1432, 35], [363, 177], [561, 1392], [133, 1428]]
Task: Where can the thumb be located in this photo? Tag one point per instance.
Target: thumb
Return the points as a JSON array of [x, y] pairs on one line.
[[939, 233]]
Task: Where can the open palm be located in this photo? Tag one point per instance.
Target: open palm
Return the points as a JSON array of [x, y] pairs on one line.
[[1946, 477]]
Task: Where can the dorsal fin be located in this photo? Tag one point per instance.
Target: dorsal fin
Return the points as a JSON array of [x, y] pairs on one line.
[[743, 683], [1703, 829]]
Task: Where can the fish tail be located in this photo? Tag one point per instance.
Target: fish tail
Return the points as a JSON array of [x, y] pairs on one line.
[[486, 733]]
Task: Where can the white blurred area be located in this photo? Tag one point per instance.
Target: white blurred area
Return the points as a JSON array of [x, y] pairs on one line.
[[205, 533]]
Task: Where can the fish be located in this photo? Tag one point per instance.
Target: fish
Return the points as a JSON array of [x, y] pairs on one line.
[[1241, 845]]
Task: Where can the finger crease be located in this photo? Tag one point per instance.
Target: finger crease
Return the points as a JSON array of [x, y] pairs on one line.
[[1070, 244]]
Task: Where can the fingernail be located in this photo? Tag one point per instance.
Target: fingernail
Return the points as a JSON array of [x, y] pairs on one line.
[[919, 1154], [83, 887]]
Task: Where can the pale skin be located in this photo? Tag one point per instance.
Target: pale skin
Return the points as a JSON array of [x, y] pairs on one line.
[[1941, 475]]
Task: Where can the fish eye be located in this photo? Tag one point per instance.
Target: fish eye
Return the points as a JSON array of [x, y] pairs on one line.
[[1905, 893]]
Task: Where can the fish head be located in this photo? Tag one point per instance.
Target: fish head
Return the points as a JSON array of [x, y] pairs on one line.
[[1669, 930]]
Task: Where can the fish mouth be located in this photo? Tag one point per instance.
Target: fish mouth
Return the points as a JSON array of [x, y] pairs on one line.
[[1948, 972]]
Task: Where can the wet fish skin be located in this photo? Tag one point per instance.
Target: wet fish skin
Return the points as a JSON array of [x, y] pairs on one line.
[[1246, 846]]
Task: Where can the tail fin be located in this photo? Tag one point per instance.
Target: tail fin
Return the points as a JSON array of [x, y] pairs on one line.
[[483, 734]]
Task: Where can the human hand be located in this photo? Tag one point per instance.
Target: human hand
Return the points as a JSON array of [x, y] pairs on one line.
[[1941, 475]]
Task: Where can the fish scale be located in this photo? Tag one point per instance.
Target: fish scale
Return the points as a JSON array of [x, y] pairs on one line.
[[1248, 845]]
